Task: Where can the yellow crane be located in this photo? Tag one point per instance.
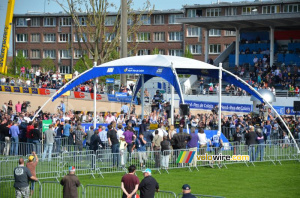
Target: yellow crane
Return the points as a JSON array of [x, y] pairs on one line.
[[6, 36]]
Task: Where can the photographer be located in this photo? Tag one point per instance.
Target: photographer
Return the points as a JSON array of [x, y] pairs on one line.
[[261, 108]]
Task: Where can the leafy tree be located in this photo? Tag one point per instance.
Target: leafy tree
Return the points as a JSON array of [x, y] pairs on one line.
[[187, 53], [18, 62], [80, 65], [47, 64], [155, 51]]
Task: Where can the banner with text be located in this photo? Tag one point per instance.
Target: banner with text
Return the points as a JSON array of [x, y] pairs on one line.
[[245, 108]]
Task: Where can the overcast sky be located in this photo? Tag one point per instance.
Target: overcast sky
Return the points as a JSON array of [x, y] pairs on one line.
[[24, 6]]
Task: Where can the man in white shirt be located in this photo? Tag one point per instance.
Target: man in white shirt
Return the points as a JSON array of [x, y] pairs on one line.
[[161, 132], [3, 80], [103, 134], [4, 107], [28, 83], [110, 118]]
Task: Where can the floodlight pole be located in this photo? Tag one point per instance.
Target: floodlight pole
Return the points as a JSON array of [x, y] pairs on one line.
[[95, 98], [142, 97], [220, 99], [172, 104]]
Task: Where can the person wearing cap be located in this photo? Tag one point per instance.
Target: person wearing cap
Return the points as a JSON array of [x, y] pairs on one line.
[[31, 165], [186, 191], [22, 175], [130, 183], [148, 185], [70, 184]]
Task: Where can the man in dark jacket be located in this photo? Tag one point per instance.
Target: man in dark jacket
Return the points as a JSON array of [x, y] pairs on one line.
[[94, 145], [70, 183], [148, 185], [251, 140], [180, 139]]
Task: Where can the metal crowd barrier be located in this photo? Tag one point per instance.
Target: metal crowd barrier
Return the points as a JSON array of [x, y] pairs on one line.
[[54, 189], [199, 196], [8, 190], [92, 191]]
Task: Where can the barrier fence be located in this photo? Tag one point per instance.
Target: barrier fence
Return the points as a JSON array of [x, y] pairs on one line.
[[104, 161]]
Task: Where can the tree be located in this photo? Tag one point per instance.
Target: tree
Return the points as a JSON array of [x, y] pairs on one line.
[[187, 53], [18, 62], [47, 64], [155, 51], [80, 65], [96, 31]]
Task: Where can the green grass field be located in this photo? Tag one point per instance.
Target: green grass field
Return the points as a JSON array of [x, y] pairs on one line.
[[263, 180]]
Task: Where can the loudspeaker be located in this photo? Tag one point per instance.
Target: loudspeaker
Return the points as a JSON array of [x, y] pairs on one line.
[[296, 105], [184, 109]]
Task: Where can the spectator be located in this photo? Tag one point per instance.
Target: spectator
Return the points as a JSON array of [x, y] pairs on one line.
[[157, 139], [14, 132], [9, 107], [22, 176], [31, 165], [24, 107], [251, 140], [4, 107], [165, 153], [260, 147], [89, 134], [186, 191], [109, 118], [201, 85], [36, 137], [70, 184], [140, 145], [237, 137], [49, 137], [192, 144], [130, 183], [148, 185], [102, 133], [125, 108], [78, 137], [114, 143], [22, 73], [18, 107]]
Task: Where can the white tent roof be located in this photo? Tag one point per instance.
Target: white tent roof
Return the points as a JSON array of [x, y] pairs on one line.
[[160, 60]]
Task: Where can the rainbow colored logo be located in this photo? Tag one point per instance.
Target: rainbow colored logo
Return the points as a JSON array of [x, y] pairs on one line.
[[185, 156]]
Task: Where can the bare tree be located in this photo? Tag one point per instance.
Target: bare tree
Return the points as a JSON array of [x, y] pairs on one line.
[[97, 30]]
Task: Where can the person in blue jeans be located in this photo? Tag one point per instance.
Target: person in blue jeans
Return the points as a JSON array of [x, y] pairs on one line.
[[36, 137], [49, 140], [14, 132], [251, 141], [114, 143], [261, 147]]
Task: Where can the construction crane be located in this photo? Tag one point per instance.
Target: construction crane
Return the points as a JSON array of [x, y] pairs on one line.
[[6, 36]]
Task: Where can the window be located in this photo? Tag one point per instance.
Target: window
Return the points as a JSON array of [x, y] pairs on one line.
[[49, 37], [79, 53], [226, 46], [229, 33], [109, 37], [49, 54], [49, 21], [193, 31], [172, 18], [195, 49], [65, 54], [65, 69], [161, 51], [82, 20], [159, 36], [231, 11], [214, 49], [130, 38], [143, 52], [129, 21], [64, 37], [82, 37], [214, 32], [35, 22], [21, 22], [65, 21], [145, 20], [21, 38], [175, 36], [143, 37], [35, 54], [213, 12], [249, 10], [271, 9], [23, 52], [159, 19], [110, 20], [291, 8], [175, 52], [35, 38]]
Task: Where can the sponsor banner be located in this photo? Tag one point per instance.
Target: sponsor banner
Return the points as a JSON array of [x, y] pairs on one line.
[[68, 76], [86, 126], [46, 124], [7, 88], [101, 97], [44, 91], [17, 89], [280, 109], [25, 90], [289, 111], [225, 106], [113, 98], [121, 94], [110, 80], [34, 90], [67, 93], [80, 95]]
